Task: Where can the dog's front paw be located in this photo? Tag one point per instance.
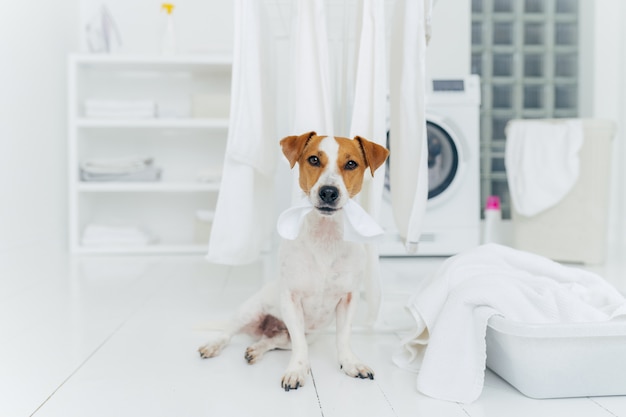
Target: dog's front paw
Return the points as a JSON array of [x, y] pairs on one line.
[[294, 378], [253, 354], [213, 348], [357, 370]]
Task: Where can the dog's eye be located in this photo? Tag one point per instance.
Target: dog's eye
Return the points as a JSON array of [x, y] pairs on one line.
[[314, 160], [350, 165]]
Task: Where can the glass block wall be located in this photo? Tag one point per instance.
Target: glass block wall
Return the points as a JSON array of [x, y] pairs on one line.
[[526, 53]]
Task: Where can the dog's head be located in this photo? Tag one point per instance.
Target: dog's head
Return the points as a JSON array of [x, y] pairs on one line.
[[332, 168]]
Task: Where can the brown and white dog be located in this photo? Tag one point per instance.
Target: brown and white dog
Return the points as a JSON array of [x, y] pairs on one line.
[[320, 272]]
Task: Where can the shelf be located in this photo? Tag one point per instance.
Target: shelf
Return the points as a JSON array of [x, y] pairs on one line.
[[221, 123], [160, 187], [180, 145], [153, 62], [144, 250]]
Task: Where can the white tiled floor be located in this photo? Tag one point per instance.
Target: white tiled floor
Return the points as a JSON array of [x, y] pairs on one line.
[[100, 336]]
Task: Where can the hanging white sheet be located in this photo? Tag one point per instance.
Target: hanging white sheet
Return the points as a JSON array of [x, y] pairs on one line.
[[243, 221], [370, 95], [369, 120], [310, 88], [309, 76], [244, 218], [407, 137]]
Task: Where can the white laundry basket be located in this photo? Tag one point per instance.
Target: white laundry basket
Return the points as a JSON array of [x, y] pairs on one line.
[[559, 360], [575, 230]]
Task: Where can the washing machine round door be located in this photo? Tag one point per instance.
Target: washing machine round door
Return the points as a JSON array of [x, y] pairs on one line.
[[443, 159]]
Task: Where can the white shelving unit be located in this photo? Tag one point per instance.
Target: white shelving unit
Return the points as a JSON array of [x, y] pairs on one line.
[[184, 139]]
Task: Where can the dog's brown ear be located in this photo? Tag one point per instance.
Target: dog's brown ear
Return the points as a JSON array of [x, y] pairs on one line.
[[375, 154], [293, 146]]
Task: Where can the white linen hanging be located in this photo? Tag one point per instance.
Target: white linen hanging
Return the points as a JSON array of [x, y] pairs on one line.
[[242, 215], [407, 137], [369, 111], [310, 88], [243, 218], [310, 80], [369, 120]]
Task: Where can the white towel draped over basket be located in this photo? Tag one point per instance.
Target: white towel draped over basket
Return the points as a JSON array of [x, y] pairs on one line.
[[452, 307]]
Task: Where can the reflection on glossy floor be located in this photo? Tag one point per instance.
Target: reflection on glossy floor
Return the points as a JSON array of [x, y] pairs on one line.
[[100, 336]]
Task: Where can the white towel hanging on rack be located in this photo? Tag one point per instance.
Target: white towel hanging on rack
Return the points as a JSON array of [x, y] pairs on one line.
[[542, 162]]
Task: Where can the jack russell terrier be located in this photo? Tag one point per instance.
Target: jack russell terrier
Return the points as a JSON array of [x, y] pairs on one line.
[[320, 271]]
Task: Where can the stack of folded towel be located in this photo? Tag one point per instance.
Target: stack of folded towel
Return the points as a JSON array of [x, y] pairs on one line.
[[120, 109], [120, 169], [209, 175], [105, 235]]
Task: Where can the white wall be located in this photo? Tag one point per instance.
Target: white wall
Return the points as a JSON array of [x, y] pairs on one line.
[[35, 37], [449, 51], [201, 25], [606, 98]]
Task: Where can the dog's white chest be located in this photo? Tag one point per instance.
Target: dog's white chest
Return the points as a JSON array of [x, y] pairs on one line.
[[320, 268]]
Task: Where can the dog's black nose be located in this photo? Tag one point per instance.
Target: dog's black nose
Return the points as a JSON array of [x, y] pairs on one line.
[[329, 194]]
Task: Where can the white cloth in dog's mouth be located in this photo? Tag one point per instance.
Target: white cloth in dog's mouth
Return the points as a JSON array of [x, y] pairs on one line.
[[358, 225]]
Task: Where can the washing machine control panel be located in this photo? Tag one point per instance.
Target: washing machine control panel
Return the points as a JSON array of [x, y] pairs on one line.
[[453, 91], [448, 85]]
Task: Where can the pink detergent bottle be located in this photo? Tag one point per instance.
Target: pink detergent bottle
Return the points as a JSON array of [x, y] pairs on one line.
[[492, 232]]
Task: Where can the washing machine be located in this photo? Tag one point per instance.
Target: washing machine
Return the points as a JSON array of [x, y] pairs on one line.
[[452, 220]]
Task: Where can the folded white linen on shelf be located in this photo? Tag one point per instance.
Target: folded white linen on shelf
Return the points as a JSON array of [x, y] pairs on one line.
[[180, 109], [120, 169], [122, 165], [209, 174], [452, 307], [542, 162], [146, 175], [106, 104], [105, 235], [99, 108], [102, 114]]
